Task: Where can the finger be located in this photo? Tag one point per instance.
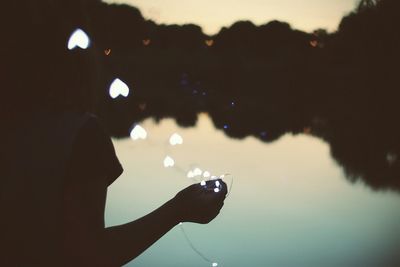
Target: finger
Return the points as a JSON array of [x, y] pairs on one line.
[[224, 188], [219, 206], [213, 214], [217, 183], [215, 204], [211, 183], [215, 201]]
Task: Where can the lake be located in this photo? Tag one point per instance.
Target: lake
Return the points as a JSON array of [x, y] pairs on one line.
[[291, 204]]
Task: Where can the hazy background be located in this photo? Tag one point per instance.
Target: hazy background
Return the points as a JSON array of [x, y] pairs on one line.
[[306, 15], [305, 120]]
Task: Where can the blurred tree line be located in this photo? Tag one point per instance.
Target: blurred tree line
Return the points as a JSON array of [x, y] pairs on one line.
[[262, 81]]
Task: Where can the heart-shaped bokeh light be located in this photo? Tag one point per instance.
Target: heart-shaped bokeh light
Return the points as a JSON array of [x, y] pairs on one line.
[[107, 52], [78, 38], [138, 132], [206, 174], [197, 172], [176, 139], [118, 88], [169, 162]]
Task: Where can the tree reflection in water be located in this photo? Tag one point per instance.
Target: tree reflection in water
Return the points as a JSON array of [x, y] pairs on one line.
[[265, 81]]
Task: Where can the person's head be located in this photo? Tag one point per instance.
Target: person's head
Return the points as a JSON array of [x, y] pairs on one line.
[[38, 70]]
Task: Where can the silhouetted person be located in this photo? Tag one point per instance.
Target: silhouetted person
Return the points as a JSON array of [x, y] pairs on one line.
[[57, 161]]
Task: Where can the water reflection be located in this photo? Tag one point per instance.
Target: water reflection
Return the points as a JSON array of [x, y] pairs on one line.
[[269, 80], [366, 145], [290, 205]]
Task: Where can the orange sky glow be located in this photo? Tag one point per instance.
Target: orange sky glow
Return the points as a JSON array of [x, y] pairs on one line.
[[306, 15]]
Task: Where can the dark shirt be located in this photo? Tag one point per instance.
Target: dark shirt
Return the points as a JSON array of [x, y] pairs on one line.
[[93, 153], [40, 158]]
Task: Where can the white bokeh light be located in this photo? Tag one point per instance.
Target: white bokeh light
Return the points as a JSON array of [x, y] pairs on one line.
[[197, 172], [138, 132], [169, 162], [190, 174], [206, 174], [78, 38], [118, 88], [176, 139]]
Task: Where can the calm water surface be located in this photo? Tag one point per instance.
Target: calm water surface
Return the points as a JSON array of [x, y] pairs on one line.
[[290, 206]]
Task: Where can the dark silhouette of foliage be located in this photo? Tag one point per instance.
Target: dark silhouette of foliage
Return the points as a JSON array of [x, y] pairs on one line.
[[262, 81]]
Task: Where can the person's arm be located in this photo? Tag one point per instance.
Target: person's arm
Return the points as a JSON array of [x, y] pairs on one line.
[[125, 242], [88, 243], [92, 167]]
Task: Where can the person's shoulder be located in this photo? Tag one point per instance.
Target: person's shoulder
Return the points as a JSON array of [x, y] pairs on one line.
[[91, 125], [82, 122], [75, 117]]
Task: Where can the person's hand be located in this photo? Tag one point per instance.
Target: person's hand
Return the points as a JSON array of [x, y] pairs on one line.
[[199, 204]]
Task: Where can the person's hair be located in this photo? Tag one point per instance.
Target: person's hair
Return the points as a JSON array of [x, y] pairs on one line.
[[39, 72]]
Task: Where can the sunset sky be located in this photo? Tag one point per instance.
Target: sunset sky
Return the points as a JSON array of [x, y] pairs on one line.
[[211, 15]]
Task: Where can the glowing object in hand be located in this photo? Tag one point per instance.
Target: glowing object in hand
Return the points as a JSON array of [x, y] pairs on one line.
[[138, 132], [118, 88], [169, 162], [78, 38], [176, 139]]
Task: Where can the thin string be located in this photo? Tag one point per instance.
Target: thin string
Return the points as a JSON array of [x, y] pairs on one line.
[[193, 247], [189, 241], [230, 187]]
